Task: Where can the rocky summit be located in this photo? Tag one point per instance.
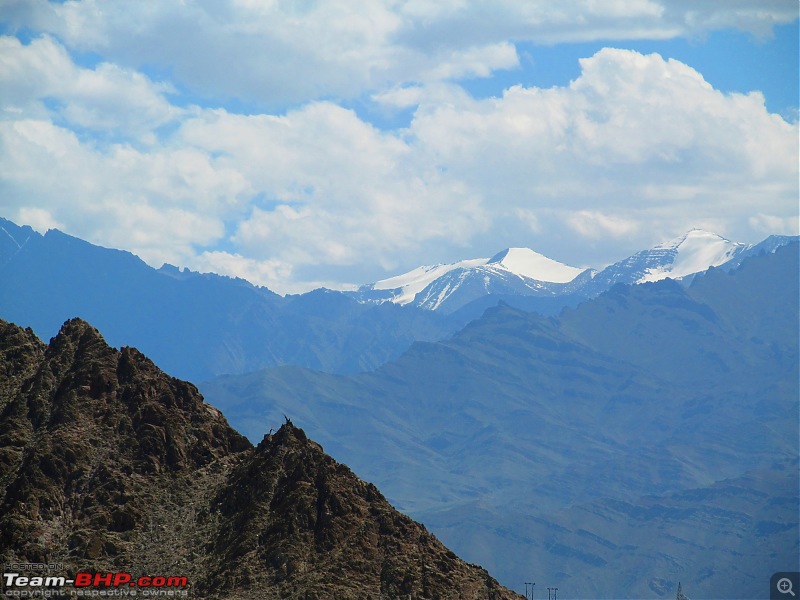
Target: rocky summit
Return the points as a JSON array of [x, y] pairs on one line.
[[109, 465]]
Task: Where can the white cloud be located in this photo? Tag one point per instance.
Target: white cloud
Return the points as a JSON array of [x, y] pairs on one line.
[[158, 203], [632, 132], [773, 224], [259, 272], [757, 18], [634, 151], [474, 62], [38, 218], [596, 225], [280, 53], [107, 98], [418, 95], [341, 190]]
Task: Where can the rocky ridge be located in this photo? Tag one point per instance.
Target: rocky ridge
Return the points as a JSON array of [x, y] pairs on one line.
[[108, 464]]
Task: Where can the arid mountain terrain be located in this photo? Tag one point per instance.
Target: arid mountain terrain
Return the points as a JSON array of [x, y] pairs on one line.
[[107, 464]]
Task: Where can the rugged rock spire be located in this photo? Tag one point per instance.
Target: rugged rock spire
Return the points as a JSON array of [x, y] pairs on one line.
[[680, 595], [108, 464]]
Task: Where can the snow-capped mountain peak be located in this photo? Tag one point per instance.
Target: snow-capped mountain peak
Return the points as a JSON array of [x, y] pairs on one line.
[[518, 272], [408, 285], [527, 263], [693, 252], [520, 269]]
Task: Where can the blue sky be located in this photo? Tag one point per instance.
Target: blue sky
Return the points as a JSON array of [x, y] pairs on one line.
[[337, 143], [731, 60]]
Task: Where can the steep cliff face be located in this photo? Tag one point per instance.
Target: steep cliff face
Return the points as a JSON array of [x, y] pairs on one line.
[[92, 439], [317, 527], [107, 463]]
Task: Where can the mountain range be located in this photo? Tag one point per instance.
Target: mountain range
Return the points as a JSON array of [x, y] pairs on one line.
[[644, 438], [441, 287], [517, 273], [198, 326], [108, 465], [611, 432]]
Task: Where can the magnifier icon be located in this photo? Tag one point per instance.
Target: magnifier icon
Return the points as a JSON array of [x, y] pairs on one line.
[[785, 586]]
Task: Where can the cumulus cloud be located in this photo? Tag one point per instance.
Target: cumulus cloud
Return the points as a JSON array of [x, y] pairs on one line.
[[279, 53], [634, 151], [259, 272], [40, 80], [159, 203], [338, 188], [38, 218], [632, 133]]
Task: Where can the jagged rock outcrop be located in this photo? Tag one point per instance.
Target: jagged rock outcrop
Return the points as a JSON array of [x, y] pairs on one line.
[[319, 527], [107, 463]]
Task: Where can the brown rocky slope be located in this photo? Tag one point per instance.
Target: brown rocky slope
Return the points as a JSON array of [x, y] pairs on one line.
[[108, 464]]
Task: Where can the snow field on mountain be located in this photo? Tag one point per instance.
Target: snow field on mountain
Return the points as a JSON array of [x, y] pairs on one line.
[[527, 263], [694, 252]]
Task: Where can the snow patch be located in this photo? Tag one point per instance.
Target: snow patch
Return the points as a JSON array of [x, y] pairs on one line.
[[522, 263], [527, 263], [692, 252], [412, 283]]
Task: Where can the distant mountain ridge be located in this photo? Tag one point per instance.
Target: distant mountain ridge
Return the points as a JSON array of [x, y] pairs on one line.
[[528, 442], [689, 254], [196, 325], [522, 272], [199, 326], [522, 266], [644, 437]]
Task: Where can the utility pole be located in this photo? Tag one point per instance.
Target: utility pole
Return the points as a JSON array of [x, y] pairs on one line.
[[548, 594], [528, 583], [555, 593]]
